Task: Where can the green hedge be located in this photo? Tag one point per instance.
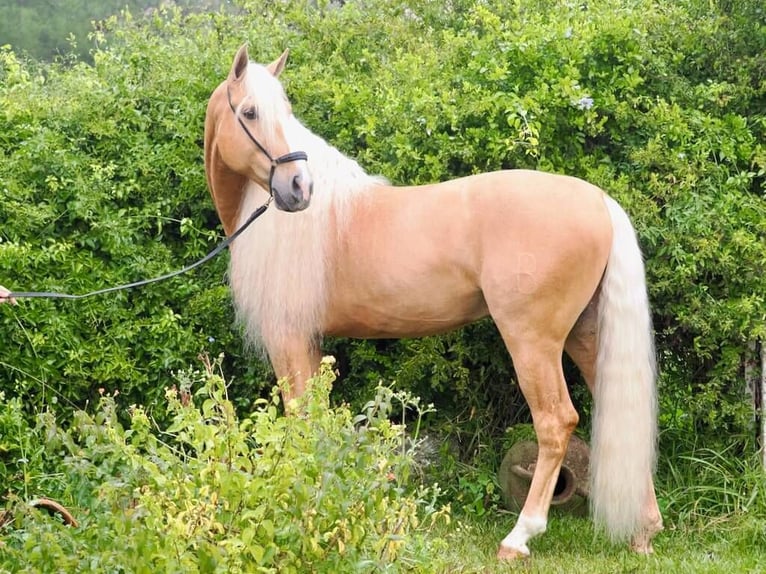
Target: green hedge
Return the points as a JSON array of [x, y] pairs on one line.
[[660, 104]]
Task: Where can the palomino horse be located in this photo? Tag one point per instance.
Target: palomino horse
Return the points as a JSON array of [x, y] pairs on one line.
[[552, 259]]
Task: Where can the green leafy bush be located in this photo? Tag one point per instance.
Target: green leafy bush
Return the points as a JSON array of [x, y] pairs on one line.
[[22, 465], [103, 184], [660, 104], [328, 491], [622, 95]]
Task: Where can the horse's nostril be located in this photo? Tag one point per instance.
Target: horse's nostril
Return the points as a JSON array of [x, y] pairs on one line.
[[302, 187]]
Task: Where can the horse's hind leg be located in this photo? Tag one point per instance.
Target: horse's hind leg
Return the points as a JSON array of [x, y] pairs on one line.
[[582, 343], [537, 362], [582, 347]]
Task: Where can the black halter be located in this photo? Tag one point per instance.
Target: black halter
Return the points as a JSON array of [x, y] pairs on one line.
[[288, 157]]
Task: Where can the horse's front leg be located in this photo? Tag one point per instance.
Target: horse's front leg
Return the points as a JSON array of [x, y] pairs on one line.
[[294, 363]]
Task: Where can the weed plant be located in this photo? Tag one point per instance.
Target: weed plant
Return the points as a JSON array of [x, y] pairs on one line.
[[326, 491]]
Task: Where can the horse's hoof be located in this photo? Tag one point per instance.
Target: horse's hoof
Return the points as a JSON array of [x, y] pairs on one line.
[[506, 554], [642, 541], [642, 547]]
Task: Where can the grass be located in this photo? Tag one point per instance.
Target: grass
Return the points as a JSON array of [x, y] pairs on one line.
[[468, 544], [713, 501], [570, 546]]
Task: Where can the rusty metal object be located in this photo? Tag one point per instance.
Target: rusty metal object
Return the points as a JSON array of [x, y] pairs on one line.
[[51, 506], [571, 492]]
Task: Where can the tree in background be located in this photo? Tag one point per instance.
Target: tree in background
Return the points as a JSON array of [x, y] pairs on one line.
[[45, 29]]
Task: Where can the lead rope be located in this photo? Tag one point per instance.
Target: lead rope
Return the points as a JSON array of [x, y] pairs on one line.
[[223, 245]]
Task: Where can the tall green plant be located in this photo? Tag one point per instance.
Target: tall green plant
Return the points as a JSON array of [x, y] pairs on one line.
[[327, 491]]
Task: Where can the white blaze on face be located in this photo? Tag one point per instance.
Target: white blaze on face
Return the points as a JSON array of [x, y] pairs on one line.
[[265, 92], [277, 126]]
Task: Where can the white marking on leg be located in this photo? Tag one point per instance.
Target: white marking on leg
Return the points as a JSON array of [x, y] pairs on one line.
[[526, 527]]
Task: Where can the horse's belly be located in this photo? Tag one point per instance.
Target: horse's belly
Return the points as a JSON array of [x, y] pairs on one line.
[[410, 314]]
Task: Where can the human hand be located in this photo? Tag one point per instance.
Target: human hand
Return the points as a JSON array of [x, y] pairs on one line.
[[5, 296]]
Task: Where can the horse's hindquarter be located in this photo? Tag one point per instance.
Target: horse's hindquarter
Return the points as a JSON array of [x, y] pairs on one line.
[[546, 241], [423, 260]]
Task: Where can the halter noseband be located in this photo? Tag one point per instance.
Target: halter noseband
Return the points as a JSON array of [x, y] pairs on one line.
[[286, 158]]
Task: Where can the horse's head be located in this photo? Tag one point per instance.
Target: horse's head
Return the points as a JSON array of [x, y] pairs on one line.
[[252, 131]]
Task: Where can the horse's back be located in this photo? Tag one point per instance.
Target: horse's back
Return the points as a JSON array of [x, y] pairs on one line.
[[554, 217]]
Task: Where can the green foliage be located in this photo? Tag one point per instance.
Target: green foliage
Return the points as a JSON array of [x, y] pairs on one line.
[[604, 92], [660, 104], [103, 184], [323, 492], [21, 462], [700, 483]]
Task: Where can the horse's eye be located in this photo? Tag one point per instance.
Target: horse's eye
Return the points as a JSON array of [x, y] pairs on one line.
[[250, 113]]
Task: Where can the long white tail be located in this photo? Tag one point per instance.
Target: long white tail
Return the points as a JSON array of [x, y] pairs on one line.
[[624, 435]]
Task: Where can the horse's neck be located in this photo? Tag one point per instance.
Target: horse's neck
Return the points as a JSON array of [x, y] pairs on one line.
[[279, 267]]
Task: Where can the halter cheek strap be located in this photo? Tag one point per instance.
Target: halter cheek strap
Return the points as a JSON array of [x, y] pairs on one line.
[[275, 162]]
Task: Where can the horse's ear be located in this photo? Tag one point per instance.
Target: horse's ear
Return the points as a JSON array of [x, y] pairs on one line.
[[278, 65], [241, 60]]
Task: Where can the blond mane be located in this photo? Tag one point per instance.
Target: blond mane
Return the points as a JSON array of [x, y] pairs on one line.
[[278, 269]]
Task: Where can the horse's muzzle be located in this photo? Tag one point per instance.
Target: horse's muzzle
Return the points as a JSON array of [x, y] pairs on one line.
[[299, 196]]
